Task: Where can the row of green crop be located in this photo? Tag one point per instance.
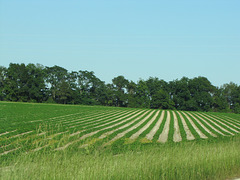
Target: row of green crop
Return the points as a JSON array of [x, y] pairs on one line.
[[98, 124], [84, 125]]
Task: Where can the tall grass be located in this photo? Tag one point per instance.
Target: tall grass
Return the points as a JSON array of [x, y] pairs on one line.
[[214, 159]]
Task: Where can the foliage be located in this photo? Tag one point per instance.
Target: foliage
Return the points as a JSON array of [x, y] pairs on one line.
[[48, 127], [36, 83]]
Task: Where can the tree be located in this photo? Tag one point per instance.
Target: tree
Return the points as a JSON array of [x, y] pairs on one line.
[[16, 83], [201, 91], [35, 84], [131, 93], [120, 85], [180, 94], [64, 92], [161, 100], [142, 95], [231, 93], [157, 88], [3, 71], [55, 76], [220, 103]]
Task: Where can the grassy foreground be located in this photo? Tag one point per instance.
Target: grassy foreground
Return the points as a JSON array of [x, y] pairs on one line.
[[186, 160]]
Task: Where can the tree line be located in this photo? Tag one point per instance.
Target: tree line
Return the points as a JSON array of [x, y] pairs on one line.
[[38, 83]]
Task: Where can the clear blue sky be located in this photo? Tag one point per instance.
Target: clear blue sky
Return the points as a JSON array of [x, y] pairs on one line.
[[134, 38]]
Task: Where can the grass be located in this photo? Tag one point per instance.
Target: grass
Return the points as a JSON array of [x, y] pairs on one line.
[[34, 155], [188, 160]]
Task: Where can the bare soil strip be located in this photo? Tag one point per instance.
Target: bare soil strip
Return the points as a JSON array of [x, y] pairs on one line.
[[5, 145], [86, 135], [232, 119], [54, 135], [222, 128], [205, 128], [76, 133], [7, 132], [209, 124], [156, 127], [229, 121], [118, 136], [203, 136], [39, 148], [177, 135], [40, 134], [187, 130], [20, 134], [164, 135], [90, 117], [106, 118], [52, 118], [94, 132], [118, 119], [6, 152], [124, 126], [64, 116], [222, 122], [135, 135], [83, 120]]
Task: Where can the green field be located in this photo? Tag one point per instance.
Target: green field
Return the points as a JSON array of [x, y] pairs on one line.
[[90, 142]]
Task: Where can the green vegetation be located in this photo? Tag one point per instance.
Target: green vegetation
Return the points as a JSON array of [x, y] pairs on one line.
[[49, 141], [190, 160], [37, 83]]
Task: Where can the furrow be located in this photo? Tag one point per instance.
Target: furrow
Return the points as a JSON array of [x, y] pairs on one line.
[[177, 135], [203, 136], [39, 148], [105, 119], [54, 135], [122, 116], [6, 152], [134, 136], [164, 135], [118, 136], [52, 118], [20, 134], [204, 127], [187, 130], [156, 127], [89, 118], [219, 132], [7, 132], [222, 128], [124, 126], [92, 133], [226, 121], [232, 119]]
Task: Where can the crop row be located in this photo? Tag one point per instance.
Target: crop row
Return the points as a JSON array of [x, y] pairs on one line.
[[107, 127]]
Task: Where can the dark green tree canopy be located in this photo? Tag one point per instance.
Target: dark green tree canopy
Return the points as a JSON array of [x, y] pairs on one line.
[[37, 83]]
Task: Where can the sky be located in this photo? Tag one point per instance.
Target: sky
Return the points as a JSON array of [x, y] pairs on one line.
[[134, 38]]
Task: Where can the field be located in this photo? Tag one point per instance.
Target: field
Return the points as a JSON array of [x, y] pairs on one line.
[[171, 144]]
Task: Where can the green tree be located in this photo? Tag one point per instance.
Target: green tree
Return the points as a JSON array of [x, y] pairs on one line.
[[120, 85], [3, 71], [55, 76], [201, 91], [180, 94], [231, 93], [161, 100], [35, 84], [142, 95], [157, 89], [131, 94], [16, 83], [220, 103]]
